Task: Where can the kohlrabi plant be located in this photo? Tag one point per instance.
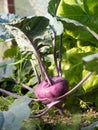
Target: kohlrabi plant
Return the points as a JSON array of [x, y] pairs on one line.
[[28, 34]]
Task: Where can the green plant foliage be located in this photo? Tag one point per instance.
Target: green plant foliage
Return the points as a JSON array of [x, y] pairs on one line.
[[91, 83], [80, 40], [18, 111], [79, 31], [72, 61], [11, 52], [1, 119], [6, 70], [52, 7], [91, 62], [31, 124], [93, 126], [31, 25], [82, 27], [32, 31], [5, 19], [4, 103], [68, 9]]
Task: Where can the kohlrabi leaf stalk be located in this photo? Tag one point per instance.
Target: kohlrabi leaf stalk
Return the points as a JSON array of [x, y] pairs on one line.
[[35, 71], [60, 56], [9, 93], [76, 87], [55, 55]]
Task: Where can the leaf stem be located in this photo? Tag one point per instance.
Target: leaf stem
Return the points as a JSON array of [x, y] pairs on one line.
[[45, 109], [42, 68], [54, 53], [35, 71], [60, 56], [9, 93], [76, 87]]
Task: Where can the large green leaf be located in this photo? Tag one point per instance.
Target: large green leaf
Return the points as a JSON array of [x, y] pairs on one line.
[[70, 9], [18, 111], [32, 26], [28, 30], [5, 19], [85, 13], [21, 39], [79, 31]]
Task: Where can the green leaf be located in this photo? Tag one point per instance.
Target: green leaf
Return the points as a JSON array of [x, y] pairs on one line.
[[72, 60], [79, 31], [85, 13], [91, 83], [5, 19], [32, 26], [70, 9], [92, 6], [17, 112], [30, 29], [8, 18], [21, 39], [52, 7], [11, 52], [1, 120], [93, 126], [91, 62], [6, 70]]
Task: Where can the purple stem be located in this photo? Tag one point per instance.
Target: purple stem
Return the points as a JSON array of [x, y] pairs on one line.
[[54, 54], [46, 109], [35, 71], [60, 56], [9, 93], [37, 115], [42, 68], [76, 87]]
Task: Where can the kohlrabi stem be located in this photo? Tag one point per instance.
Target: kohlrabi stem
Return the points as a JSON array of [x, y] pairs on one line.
[[35, 71], [54, 54], [37, 115], [42, 68], [76, 87], [60, 56], [38, 59], [45, 109], [9, 93]]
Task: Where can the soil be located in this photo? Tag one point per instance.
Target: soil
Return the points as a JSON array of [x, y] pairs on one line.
[[87, 118]]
